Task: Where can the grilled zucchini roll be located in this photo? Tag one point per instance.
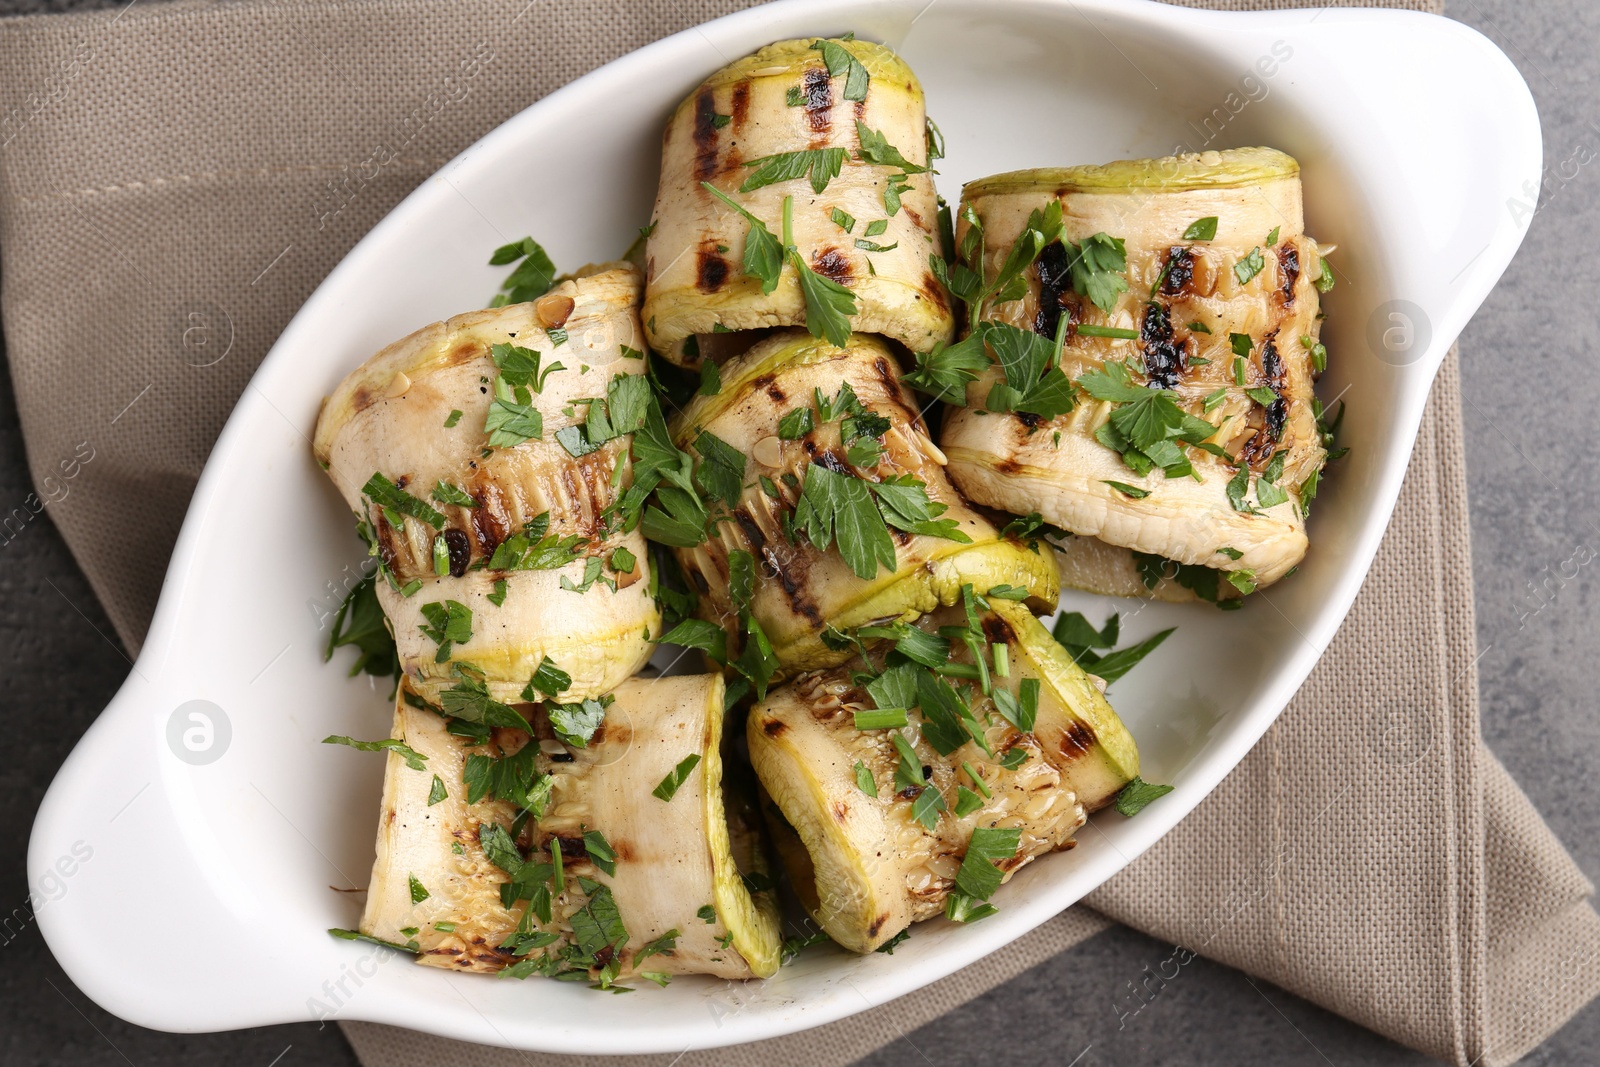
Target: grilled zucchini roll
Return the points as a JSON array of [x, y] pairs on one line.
[[1183, 293], [899, 817], [646, 883], [822, 145], [481, 478], [827, 504]]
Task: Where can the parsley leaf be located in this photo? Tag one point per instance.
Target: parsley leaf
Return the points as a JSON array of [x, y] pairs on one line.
[[841, 506], [1127, 490], [390, 497], [594, 843], [1073, 632], [820, 165], [1249, 266], [1137, 794], [763, 255], [548, 679], [843, 220], [576, 723], [530, 279], [944, 372], [1201, 229], [864, 780], [839, 60], [978, 876], [1034, 382], [437, 792], [445, 493], [721, 469], [668, 788], [829, 305], [449, 623], [1096, 264], [698, 633], [360, 622], [796, 424], [413, 758], [521, 366], [512, 418], [876, 149], [904, 503]]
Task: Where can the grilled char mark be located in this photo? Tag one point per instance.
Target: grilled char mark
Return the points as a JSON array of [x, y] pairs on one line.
[[818, 89], [1164, 360], [490, 523], [833, 461], [1076, 741], [460, 550], [1178, 278], [997, 631], [832, 264], [1271, 362], [1272, 367], [751, 530], [741, 104], [769, 383], [935, 292], [711, 270], [1054, 285], [1289, 262], [774, 728], [705, 135]]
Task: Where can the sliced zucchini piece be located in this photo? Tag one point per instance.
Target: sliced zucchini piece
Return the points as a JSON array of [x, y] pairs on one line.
[[483, 538], [1219, 307], [871, 866], [781, 108], [768, 412]]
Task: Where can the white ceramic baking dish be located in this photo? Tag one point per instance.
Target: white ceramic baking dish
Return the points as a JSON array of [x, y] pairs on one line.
[[193, 892]]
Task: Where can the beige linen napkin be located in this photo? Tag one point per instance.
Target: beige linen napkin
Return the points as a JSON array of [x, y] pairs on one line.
[[176, 178]]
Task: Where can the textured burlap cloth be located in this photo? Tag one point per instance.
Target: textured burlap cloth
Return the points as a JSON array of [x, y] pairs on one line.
[[176, 178]]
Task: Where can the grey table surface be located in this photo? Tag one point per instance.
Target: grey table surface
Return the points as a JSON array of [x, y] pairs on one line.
[[1530, 367]]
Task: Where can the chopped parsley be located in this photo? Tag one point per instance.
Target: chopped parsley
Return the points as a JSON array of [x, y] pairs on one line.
[[876, 149], [819, 165], [599, 850], [530, 279], [449, 624], [843, 220], [978, 876], [1249, 266], [944, 372], [1034, 382], [864, 780], [437, 792], [360, 622], [1074, 633], [1132, 491], [394, 501], [576, 723], [840, 61], [413, 758], [453, 418], [668, 787], [547, 682], [1137, 794], [419, 892], [1201, 229]]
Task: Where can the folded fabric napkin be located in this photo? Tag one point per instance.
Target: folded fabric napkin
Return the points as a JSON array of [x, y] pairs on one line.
[[187, 172]]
